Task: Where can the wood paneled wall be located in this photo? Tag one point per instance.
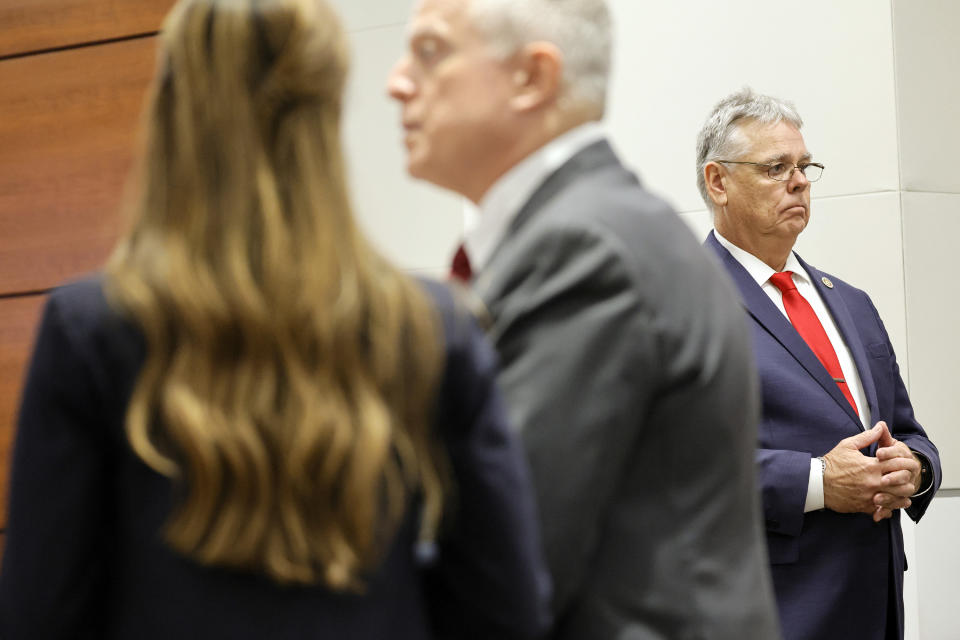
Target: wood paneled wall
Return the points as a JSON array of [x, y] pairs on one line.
[[73, 75], [28, 26]]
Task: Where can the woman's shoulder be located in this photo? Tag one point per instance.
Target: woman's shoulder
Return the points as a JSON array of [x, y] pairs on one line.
[[471, 364], [82, 302], [99, 333], [461, 312]]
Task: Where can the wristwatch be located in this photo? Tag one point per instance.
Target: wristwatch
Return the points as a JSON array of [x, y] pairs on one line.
[[926, 478]]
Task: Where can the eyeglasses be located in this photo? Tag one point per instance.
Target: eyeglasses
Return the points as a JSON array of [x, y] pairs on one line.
[[783, 171]]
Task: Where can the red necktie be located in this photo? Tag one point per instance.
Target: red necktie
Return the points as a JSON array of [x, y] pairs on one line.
[[460, 268], [804, 320]]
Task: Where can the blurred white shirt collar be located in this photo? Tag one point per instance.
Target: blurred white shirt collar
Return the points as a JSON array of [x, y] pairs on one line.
[[487, 224]]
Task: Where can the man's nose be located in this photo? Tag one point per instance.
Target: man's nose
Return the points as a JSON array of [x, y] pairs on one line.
[[399, 84], [798, 180]]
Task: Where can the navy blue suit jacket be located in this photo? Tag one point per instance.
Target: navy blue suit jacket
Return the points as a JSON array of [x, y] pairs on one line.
[[835, 575], [85, 557]]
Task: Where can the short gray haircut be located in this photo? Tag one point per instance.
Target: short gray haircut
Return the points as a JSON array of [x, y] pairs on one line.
[[580, 29], [719, 138]]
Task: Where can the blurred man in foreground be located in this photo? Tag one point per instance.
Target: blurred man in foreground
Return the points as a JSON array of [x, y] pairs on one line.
[[625, 360]]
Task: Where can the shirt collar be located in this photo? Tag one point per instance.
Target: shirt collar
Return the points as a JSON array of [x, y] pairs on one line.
[[759, 270], [488, 223]]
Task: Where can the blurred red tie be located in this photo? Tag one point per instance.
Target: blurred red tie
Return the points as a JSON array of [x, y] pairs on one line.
[[460, 268], [804, 320]]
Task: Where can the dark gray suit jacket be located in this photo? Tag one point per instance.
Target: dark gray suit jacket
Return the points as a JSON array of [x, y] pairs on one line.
[[627, 366]]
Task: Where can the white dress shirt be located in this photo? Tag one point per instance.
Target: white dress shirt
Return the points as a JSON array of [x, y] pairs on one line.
[[487, 224], [761, 273]]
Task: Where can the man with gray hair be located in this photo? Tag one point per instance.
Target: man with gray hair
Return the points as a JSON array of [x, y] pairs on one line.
[[832, 489], [625, 360]]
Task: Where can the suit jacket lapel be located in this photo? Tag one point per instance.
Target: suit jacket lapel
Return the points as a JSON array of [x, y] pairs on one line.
[[848, 329], [766, 313], [593, 156]]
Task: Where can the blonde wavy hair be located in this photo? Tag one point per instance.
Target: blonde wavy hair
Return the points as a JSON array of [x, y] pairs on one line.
[[291, 371]]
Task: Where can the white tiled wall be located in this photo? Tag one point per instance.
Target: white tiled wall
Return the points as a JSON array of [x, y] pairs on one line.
[[675, 60], [928, 100], [927, 55], [364, 14], [937, 566], [931, 227], [928, 93]]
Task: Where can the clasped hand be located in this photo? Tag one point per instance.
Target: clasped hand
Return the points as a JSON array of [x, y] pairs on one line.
[[855, 483]]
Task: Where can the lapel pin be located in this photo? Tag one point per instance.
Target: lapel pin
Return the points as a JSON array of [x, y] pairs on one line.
[[826, 281]]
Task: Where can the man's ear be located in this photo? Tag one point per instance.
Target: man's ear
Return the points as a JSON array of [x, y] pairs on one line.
[[715, 178], [537, 76]]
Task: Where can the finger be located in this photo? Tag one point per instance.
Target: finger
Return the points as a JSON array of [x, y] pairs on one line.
[[882, 514], [890, 507], [899, 464], [886, 440], [900, 490], [864, 439], [891, 500], [893, 495], [897, 450], [896, 477], [888, 453]]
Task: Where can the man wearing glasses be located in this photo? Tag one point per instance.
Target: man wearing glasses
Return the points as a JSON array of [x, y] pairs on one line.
[[832, 488]]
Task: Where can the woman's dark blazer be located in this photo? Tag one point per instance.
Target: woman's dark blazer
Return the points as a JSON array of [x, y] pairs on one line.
[[84, 555]]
